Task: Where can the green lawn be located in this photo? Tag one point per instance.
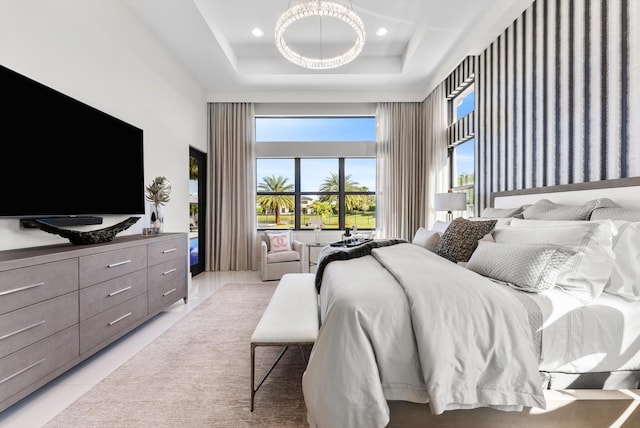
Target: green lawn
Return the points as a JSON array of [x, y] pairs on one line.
[[363, 221]]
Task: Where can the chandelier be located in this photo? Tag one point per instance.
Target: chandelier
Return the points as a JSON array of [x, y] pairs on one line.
[[321, 9]]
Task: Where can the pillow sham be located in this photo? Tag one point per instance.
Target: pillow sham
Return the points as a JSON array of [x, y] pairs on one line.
[[278, 241], [625, 276], [614, 213], [461, 238], [527, 267], [588, 272], [426, 238], [500, 212], [544, 209]]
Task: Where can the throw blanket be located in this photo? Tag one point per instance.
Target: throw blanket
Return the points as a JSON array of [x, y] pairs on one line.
[[330, 254], [405, 324]]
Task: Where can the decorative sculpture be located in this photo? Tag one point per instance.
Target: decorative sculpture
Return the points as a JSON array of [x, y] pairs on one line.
[[89, 237]]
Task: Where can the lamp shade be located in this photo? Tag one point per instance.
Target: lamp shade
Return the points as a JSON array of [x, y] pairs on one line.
[[450, 201]]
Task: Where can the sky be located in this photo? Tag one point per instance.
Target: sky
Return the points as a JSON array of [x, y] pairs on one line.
[[305, 129], [311, 129], [314, 171], [465, 151]]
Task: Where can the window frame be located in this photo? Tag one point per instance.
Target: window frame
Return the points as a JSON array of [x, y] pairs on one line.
[[468, 188], [297, 193]]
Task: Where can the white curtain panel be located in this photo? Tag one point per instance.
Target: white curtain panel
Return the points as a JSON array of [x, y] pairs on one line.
[[231, 239], [412, 163]]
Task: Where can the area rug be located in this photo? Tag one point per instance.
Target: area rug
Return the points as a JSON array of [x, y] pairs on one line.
[[197, 374]]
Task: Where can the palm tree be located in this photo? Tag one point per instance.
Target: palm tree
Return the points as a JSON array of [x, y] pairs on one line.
[[332, 184], [323, 209], [193, 168], [275, 184]]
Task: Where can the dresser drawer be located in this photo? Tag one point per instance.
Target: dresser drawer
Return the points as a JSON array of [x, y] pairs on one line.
[[167, 283], [109, 323], [28, 325], [160, 252], [101, 267], [26, 286], [100, 297], [30, 364]]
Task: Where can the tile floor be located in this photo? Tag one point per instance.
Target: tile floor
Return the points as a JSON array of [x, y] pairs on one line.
[[44, 404]]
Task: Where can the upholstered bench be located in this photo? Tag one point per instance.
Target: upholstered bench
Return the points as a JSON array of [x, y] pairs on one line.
[[291, 318]]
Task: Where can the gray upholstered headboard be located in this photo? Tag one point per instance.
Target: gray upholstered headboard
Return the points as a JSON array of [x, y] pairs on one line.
[[624, 191]]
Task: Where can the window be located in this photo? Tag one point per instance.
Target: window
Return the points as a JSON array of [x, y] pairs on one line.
[[302, 192], [462, 146], [309, 129], [315, 169]]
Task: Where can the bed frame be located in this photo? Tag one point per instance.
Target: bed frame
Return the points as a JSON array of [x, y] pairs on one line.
[[626, 193]]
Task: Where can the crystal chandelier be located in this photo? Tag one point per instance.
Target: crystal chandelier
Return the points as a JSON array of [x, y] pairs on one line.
[[321, 9]]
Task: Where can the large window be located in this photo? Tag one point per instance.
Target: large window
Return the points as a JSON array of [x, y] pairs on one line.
[[462, 146], [315, 170], [310, 129], [300, 193]]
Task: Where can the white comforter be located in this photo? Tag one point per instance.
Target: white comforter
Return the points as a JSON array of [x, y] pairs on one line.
[[406, 324]]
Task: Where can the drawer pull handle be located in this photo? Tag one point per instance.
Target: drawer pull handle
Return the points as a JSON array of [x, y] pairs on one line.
[[169, 271], [169, 292], [119, 291], [26, 287], [21, 330], [119, 319], [21, 371], [170, 250], [119, 263]]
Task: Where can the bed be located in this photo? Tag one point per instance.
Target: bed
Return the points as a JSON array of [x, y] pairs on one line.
[[402, 322]]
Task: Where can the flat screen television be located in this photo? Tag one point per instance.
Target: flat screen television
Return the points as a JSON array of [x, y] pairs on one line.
[[61, 157]]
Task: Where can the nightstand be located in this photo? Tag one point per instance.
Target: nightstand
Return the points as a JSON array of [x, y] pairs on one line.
[[313, 245]]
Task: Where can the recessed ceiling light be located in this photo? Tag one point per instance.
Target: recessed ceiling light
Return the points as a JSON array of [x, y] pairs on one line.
[[257, 32], [382, 31]]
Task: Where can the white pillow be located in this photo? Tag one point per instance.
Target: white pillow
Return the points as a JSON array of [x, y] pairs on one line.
[[440, 226], [544, 209], [489, 212], [527, 267], [625, 277], [587, 274], [278, 241], [613, 213], [426, 238]]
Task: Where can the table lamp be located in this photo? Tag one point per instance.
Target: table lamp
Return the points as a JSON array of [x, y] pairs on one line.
[[450, 202]]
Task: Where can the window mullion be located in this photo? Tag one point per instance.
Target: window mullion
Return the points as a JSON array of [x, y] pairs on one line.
[[297, 197], [341, 199]]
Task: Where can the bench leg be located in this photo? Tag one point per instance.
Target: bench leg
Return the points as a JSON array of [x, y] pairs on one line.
[[253, 365], [304, 358], [253, 369]]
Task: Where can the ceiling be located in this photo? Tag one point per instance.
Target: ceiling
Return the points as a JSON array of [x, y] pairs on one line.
[[426, 39]]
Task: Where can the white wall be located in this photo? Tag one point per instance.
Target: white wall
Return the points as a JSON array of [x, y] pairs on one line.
[[100, 53]]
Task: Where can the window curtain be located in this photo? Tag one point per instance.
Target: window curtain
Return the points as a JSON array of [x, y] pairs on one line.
[[411, 145], [231, 237]]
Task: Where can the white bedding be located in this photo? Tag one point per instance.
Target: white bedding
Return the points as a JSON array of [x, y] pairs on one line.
[[440, 334], [601, 336]]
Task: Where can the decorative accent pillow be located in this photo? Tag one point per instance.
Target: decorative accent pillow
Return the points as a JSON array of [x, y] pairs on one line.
[[278, 241], [527, 267], [461, 238], [544, 209], [426, 238], [500, 212], [588, 272], [625, 276]]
